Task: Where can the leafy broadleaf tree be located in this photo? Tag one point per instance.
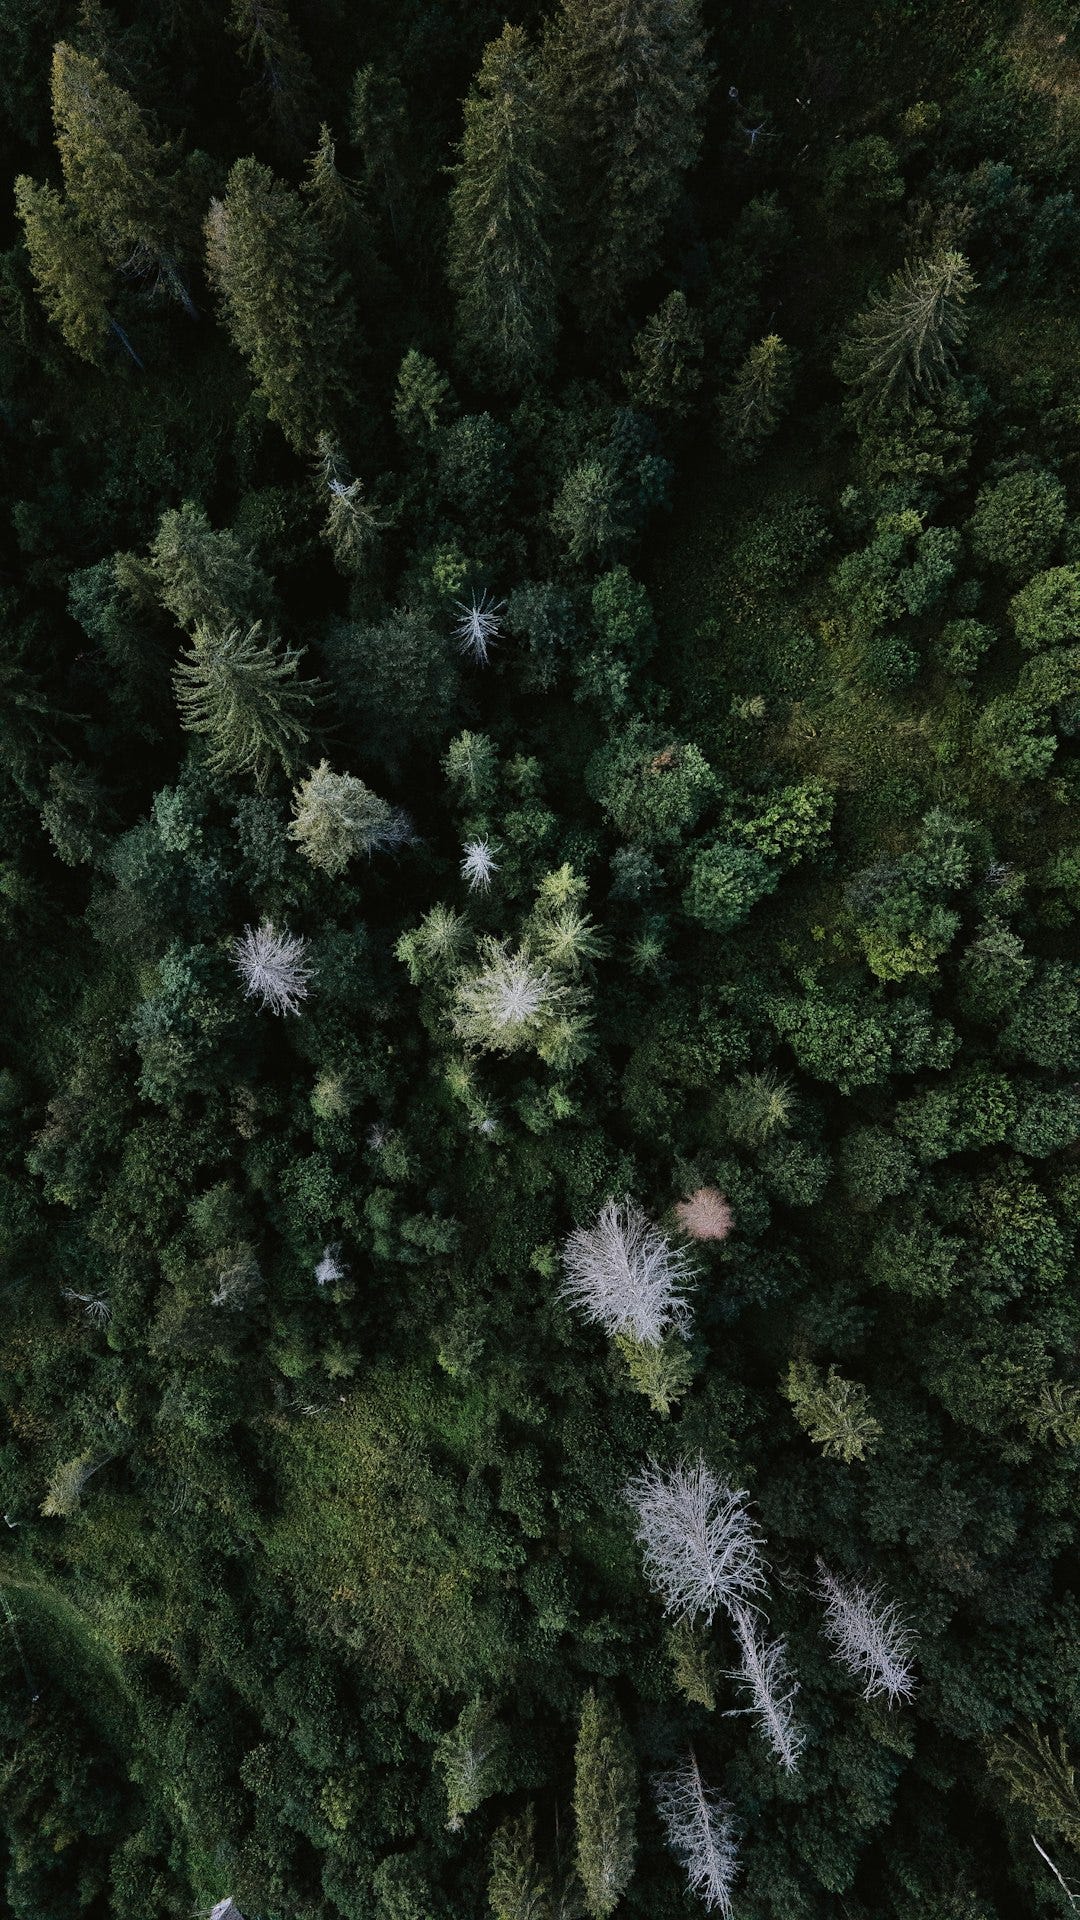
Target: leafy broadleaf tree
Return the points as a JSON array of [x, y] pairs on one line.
[[243, 693], [605, 1796], [501, 214]]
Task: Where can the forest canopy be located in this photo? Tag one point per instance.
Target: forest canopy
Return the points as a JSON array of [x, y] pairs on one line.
[[539, 894]]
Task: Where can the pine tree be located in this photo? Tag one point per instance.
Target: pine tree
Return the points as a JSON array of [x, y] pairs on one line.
[[336, 817], [519, 1887], [835, 1412], [764, 1671], [752, 408], [903, 346], [470, 1757], [668, 351], [116, 178], [501, 212], [605, 1795], [281, 85], [332, 196], [205, 577], [627, 86], [1037, 1770], [243, 694], [273, 967], [68, 265], [267, 262]]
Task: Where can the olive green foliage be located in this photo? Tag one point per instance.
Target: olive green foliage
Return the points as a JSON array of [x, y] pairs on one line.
[[605, 1794], [725, 361]]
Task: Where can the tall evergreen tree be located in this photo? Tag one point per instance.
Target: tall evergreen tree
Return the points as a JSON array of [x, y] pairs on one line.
[[627, 87], [119, 181], [902, 347], [67, 264], [605, 1795], [268, 264], [502, 211], [243, 694]]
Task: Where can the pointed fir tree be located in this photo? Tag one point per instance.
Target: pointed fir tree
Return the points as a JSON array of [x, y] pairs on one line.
[[518, 1887], [668, 351], [753, 406], [117, 179], [336, 818], [280, 91], [268, 265], [68, 265], [902, 348], [627, 87], [501, 219], [470, 1757], [605, 1797], [834, 1412], [205, 577], [243, 694], [333, 198]]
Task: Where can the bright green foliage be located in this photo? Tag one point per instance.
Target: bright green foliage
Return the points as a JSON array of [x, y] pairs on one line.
[[605, 1796], [834, 1412], [627, 89], [695, 1668], [519, 1888], [470, 1757], [1016, 523], [67, 264], [903, 347], [652, 788], [284, 309], [757, 1105], [663, 1373], [336, 818], [753, 406], [471, 767], [1046, 613], [726, 880], [243, 693], [501, 213]]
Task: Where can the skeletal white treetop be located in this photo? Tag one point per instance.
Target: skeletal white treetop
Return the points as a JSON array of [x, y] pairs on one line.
[[478, 627], [771, 1685], [330, 1268], [868, 1636], [625, 1275], [701, 1548], [272, 967], [478, 864], [700, 1830]]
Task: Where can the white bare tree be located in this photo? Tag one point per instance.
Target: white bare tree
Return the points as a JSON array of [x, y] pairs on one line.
[[94, 1305], [624, 1274], [700, 1830], [331, 1267], [772, 1687], [868, 1636], [478, 864], [479, 626], [701, 1547], [273, 967]]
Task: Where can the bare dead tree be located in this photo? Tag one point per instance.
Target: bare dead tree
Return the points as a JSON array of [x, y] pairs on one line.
[[701, 1547], [700, 1830]]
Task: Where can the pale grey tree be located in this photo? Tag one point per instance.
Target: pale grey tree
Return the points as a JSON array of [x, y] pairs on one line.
[[625, 1275], [868, 1636], [701, 1548], [273, 967], [478, 626], [331, 1266], [478, 865], [700, 1829], [764, 1672]]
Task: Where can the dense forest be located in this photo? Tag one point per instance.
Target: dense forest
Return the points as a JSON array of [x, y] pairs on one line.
[[539, 890]]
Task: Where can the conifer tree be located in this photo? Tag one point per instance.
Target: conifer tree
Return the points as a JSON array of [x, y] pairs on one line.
[[752, 408], [205, 576], [267, 262], [116, 178], [835, 1412], [243, 694], [281, 74], [469, 1756], [605, 1795], [501, 213], [627, 87], [68, 265], [668, 351], [903, 346], [336, 817]]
